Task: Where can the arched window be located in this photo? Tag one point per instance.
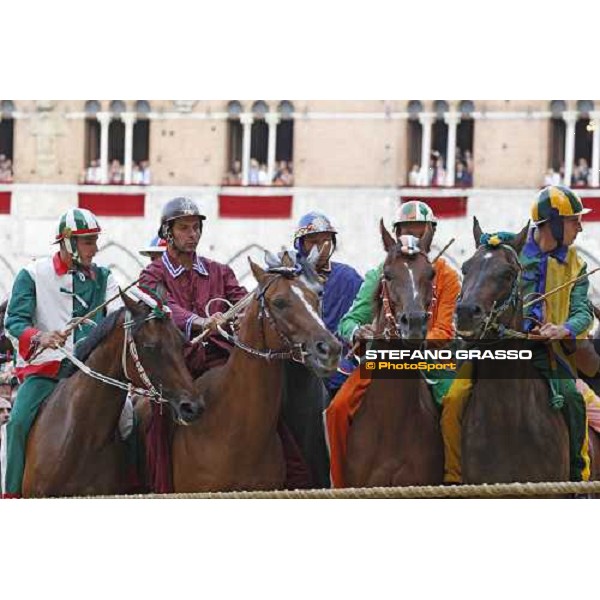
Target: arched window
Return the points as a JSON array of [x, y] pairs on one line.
[[116, 132], [259, 139], [439, 133], [92, 134], [583, 144], [234, 134], [464, 139], [284, 148], [558, 134], [414, 134], [7, 142], [141, 132]]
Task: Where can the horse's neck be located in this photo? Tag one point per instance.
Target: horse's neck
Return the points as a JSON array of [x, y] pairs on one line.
[[100, 404], [258, 380]]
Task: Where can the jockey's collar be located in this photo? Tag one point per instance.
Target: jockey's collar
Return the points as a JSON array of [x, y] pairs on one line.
[[175, 268]]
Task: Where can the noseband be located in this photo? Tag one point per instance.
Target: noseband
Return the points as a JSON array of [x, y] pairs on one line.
[[295, 352], [391, 328]]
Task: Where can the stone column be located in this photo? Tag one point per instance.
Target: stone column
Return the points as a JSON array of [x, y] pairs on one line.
[[272, 121], [452, 120], [426, 123], [570, 118], [128, 120], [595, 119], [246, 121], [104, 119]]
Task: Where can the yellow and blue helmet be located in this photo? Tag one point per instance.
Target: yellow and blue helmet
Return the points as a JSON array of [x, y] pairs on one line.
[[556, 201]]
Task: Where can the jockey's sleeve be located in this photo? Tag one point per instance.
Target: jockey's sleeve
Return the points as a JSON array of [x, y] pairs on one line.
[[112, 288], [19, 319], [581, 317], [182, 317], [361, 311], [447, 290], [234, 292]]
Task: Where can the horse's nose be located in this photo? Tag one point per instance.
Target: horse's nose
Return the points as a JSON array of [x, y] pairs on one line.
[[468, 311], [413, 325], [189, 410], [325, 350]]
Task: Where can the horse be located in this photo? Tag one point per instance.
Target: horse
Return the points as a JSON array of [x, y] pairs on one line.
[[395, 437], [235, 445], [510, 432], [73, 447]]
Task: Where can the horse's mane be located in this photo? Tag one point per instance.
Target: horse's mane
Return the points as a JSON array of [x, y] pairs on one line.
[[85, 347]]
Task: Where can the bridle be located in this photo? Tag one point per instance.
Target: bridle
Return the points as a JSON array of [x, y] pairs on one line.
[[294, 351], [129, 349], [391, 329], [512, 300]]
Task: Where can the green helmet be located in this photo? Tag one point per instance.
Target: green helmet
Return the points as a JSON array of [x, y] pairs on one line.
[[414, 211], [76, 222]]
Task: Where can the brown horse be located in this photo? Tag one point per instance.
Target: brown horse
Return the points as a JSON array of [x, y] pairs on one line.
[[509, 430], [395, 437], [74, 447], [235, 446]]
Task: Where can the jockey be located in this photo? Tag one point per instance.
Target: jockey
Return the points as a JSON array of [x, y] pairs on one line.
[[549, 259], [342, 282], [46, 295], [155, 249], [413, 218], [191, 281]]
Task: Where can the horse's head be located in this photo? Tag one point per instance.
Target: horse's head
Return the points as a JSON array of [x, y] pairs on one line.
[[159, 346], [406, 288], [491, 285], [289, 311]]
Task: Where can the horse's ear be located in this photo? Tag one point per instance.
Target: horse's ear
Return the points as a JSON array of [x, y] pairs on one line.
[[386, 237], [477, 233], [135, 308], [520, 239], [257, 271], [287, 260], [425, 241]]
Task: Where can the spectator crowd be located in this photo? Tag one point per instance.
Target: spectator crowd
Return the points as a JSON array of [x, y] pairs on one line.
[[580, 177], [258, 174], [140, 173], [437, 175], [6, 170]]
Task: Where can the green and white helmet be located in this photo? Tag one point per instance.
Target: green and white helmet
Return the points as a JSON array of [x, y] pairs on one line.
[[76, 222], [414, 211]]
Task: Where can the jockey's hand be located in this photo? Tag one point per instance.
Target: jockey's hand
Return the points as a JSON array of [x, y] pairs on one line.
[[51, 339], [554, 332], [214, 321], [364, 332]]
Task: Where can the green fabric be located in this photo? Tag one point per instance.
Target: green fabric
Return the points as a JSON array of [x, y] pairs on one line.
[[20, 314], [361, 311], [21, 308], [580, 312], [494, 239], [32, 393], [93, 293], [565, 397], [440, 384]]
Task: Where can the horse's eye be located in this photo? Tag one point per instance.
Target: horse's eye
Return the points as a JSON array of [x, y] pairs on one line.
[[387, 275], [280, 303]]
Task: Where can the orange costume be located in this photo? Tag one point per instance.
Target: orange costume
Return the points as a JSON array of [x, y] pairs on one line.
[[339, 414]]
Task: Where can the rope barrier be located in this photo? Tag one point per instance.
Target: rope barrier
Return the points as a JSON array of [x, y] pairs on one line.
[[495, 490]]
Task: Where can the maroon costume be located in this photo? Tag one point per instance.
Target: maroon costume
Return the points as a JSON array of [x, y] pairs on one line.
[[188, 293]]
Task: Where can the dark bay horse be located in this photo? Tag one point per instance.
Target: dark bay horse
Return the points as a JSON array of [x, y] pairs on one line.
[[395, 437], [74, 447], [235, 445], [509, 430]]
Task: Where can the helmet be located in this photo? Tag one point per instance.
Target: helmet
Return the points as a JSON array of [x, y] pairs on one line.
[[556, 201], [414, 211], [156, 245], [176, 208], [312, 222], [76, 222]]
